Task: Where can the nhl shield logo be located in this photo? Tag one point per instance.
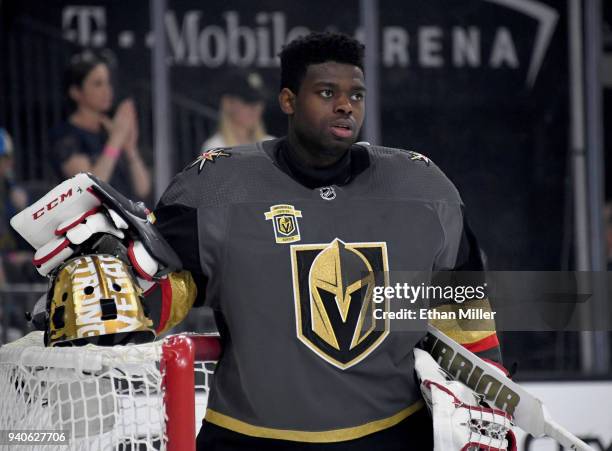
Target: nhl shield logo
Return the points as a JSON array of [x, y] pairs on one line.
[[284, 218], [333, 285], [327, 193]]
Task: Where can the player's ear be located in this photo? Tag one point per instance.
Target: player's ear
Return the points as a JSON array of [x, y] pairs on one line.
[[286, 100]]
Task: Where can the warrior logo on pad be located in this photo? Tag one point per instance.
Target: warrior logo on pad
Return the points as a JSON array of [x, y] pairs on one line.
[[333, 285]]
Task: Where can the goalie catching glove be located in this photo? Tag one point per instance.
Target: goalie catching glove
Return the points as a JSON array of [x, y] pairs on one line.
[[62, 223], [84, 223], [461, 420]]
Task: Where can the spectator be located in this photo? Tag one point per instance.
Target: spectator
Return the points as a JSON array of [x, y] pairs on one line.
[[241, 108], [90, 141], [13, 197], [14, 252]]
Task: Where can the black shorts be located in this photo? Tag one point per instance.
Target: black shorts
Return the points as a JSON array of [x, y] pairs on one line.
[[413, 433]]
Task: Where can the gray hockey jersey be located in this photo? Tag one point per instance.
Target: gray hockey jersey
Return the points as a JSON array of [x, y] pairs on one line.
[[290, 271]]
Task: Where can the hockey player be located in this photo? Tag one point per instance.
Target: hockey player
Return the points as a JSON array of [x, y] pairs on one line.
[[285, 241], [284, 229]]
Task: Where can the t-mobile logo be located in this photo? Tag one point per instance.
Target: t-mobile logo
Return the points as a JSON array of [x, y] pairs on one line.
[[85, 25]]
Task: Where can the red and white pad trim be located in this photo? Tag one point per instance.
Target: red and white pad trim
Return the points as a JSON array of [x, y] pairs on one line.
[[69, 224], [459, 403], [96, 223], [145, 265], [51, 255]]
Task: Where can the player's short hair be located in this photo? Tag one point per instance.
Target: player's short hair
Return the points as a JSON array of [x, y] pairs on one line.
[[317, 48]]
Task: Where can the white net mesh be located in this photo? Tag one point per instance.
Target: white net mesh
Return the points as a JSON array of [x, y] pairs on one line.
[[108, 398]]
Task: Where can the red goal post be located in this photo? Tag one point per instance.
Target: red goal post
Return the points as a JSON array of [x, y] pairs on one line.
[[143, 396], [180, 354]]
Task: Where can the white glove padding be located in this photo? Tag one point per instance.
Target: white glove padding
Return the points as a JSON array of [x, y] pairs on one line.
[[69, 215], [460, 420], [50, 255], [144, 264], [79, 229]]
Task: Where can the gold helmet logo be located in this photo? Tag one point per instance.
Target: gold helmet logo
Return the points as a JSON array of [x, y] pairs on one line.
[[334, 309], [340, 275], [286, 224], [94, 299]]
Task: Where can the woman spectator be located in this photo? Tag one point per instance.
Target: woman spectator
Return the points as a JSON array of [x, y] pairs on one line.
[[240, 112], [91, 141]]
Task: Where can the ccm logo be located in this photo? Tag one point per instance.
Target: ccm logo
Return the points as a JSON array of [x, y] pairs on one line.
[[51, 205]]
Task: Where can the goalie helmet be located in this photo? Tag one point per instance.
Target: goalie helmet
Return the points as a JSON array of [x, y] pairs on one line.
[[95, 299]]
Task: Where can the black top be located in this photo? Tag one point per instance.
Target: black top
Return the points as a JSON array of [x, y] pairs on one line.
[[354, 161], [67, 140]]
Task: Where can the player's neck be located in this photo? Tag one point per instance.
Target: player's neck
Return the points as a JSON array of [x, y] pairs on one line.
[[314, 176], [308, 156]]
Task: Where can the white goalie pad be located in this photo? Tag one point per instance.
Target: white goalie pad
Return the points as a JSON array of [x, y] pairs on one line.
[[460, 418]]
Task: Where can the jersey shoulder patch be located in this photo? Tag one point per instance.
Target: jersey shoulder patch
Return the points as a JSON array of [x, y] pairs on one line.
[[210, 155], [415, 156]]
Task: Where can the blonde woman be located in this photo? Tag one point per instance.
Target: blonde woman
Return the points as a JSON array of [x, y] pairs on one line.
[[240, 112]]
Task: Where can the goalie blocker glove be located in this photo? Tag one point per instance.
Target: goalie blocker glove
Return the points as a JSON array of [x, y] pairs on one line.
[[61, 223], [461, 420]]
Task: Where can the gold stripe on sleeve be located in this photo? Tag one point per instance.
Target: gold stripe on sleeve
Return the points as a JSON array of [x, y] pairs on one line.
[[184, 293], [465, 331]]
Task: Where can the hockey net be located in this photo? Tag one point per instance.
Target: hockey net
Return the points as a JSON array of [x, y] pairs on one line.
[[134, 397]]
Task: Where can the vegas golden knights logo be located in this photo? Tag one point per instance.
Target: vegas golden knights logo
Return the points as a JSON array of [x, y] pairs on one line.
[[284, 218], [285, 224], [333, 285]]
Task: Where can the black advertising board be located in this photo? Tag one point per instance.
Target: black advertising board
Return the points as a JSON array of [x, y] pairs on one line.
[[479, 86]]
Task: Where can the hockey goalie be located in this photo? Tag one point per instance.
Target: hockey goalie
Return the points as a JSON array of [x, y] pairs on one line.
[[102, 253]]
